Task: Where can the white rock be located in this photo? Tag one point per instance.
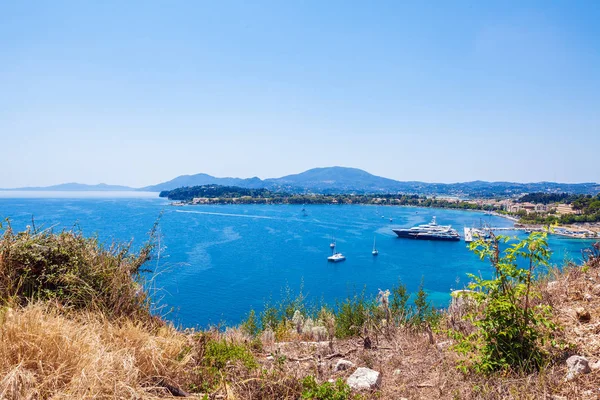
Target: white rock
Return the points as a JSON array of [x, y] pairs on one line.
[[343, 365], [596, 289], [364, 378], [397, 372], [595, 365], [577, 365], [588, 297], [444, 345]]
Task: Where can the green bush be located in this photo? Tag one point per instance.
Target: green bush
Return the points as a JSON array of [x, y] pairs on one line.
[[325, 391], [219, 353], [512, 331], [75, 271], [269, 318], [352, 314], [399, 308], [423, 312], [250, 326]]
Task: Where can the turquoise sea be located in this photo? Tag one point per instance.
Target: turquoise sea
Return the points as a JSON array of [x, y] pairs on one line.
[[218, 262]]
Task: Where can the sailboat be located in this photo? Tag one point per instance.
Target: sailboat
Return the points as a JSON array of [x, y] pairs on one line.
[[332, 244], [304, 214], [375, 251]]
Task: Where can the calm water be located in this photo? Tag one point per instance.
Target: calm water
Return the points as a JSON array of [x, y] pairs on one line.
[[218, 262]]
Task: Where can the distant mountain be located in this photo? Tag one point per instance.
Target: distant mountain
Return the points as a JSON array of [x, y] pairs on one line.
[[331, 180], [338, 179], [204, 179], [77, 187], [352, 180]]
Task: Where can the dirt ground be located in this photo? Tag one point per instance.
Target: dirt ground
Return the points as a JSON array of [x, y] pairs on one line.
[[417, 365]]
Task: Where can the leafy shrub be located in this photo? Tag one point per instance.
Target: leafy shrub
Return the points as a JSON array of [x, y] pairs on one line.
[[325, 391], [249, 326], [399, 309], [219, 353], [512, 331], [352, 314], [423, 312], [269, 318], [73, 270]]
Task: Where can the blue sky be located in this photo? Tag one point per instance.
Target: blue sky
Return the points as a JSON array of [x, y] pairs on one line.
[[136, 93]]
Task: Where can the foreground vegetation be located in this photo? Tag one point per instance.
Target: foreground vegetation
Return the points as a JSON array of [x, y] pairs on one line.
[[77, 322]]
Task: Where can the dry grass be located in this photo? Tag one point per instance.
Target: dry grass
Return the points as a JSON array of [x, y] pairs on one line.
[[47, 355]]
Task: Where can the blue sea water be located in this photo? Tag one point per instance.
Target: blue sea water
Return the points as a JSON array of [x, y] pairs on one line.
[[219, 261]]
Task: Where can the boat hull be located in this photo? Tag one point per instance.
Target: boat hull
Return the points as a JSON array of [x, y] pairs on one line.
[[439, 238], [421, 236]]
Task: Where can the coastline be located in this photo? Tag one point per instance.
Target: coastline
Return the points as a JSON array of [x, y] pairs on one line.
[[563, 231]]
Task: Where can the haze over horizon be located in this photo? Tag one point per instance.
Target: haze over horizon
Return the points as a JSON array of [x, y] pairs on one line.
[[138, 93]]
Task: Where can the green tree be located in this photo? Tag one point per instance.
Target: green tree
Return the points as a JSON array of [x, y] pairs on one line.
[[512, 330], [423, 310]]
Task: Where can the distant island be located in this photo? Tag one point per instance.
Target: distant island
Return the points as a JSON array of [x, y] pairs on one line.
[[336, 180], [343, 180], [216, 194]]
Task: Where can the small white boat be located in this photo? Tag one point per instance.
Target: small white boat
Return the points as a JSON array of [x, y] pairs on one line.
[[332, 244], [375, 251], [336, 257], [468, 235]]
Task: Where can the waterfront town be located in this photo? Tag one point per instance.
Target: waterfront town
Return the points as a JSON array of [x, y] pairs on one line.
[[574, 216]]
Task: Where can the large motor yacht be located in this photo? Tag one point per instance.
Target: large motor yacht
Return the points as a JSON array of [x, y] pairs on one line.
[[430, 231]]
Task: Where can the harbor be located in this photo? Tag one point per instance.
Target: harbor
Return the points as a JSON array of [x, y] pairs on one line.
[[560, 231]]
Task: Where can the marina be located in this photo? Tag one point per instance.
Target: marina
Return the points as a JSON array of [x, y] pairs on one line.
[[560, 231]]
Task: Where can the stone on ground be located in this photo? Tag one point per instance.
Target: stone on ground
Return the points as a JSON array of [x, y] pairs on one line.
[[577, 365], [364, 379], [343, 365]]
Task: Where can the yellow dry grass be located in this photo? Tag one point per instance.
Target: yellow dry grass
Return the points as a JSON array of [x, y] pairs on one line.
[[45, 355]]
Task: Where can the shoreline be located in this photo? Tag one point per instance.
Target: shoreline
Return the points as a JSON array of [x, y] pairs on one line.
[[492, 213]]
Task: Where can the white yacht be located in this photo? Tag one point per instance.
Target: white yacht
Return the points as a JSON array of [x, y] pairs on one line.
[[336, 257], [430, 231]]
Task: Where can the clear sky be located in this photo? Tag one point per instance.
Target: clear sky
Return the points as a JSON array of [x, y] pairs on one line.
[[138, 92]]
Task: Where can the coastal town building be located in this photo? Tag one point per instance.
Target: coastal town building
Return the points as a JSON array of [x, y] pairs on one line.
[[527, 207], [566, 209]]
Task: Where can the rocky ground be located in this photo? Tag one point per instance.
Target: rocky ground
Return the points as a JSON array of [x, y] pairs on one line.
[[423, 365]]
